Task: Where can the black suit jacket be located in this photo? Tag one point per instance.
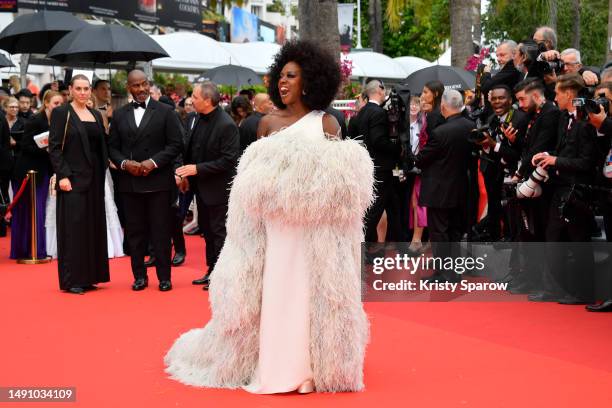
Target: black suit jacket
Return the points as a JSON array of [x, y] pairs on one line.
[[508, 75], [248, 130], [340, 118], [159, 137], [32, 157], [575, 151], [74, 161], [444, 164], [372, 124], [6, 158], [510, 153], [540, 137], [217, 157]]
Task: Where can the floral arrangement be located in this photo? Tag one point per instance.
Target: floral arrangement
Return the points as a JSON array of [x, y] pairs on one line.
[[477, 59]]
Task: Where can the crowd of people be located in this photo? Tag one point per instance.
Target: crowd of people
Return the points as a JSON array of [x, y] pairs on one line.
[[538, 131], [529, 133]]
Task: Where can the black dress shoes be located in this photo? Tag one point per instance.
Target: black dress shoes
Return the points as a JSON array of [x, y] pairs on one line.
[[140, 284], [165, 286], [76, 291], [202, 281], [89, 288], [605, 306], [178, 259], [150, 262]]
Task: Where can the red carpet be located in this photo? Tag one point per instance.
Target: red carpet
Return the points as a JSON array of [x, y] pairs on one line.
[[109, 344]]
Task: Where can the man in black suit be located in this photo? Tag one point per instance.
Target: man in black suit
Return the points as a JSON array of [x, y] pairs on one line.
[[385, 152], [572, 162], [444, 179], [262, 105], [145, 139], [508, 74], [500, 151], [541, 136], [213, 148]]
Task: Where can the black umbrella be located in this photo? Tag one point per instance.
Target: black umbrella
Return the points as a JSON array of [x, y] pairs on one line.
[[102, 44], [233, 75], [37, 33], [451, 77], [5, 61]]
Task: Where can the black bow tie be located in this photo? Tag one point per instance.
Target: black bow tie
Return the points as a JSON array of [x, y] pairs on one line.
[[137, 105]]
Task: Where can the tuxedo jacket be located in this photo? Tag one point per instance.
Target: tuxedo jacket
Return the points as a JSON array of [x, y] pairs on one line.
[[373, 126], [74, 161], [444, 164], [215, 151], [248, 130], [576, 152], [508, 75], [541, 136], [159, 137], [509, 153]]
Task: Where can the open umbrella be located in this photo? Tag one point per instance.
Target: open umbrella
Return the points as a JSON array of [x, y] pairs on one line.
[[451, 77], [103, 44], [36, 33], [5, 61], [233, 75]]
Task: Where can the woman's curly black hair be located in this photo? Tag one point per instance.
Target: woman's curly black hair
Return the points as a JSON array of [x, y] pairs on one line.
[[320, 74]]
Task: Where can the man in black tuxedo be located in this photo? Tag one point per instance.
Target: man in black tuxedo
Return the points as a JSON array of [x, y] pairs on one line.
[[500, 151], [145, 139], [262, 105], [508, 74], [541, 136], [213, 148], [444, 179], [385, 152]]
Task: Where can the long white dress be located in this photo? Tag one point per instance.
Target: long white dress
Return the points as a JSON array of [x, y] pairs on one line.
[[114, 232], [285, 295]]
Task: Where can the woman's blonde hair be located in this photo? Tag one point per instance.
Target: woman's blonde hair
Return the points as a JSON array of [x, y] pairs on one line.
[[47, 98], [9, 100]]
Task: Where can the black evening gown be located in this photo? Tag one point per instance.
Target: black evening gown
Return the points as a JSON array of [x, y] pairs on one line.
[[81, 226]]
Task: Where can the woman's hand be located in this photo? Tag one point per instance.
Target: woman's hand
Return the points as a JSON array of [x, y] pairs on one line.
[[65, 185]]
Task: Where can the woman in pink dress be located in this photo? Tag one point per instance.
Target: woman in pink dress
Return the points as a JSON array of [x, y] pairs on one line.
[[430, 118], [286, 293]]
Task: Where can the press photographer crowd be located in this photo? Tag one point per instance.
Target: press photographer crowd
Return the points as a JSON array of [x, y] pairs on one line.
[[535, 132]]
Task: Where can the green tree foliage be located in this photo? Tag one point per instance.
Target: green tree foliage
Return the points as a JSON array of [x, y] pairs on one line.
[[518, 19], [421, 32]]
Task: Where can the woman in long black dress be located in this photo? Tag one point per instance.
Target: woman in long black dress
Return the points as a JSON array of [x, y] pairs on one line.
[[79, 157]]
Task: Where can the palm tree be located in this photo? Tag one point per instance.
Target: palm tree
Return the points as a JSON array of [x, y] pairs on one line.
[[376, 26], [461, 18], [576, 24], [609, 53], [319, 23]]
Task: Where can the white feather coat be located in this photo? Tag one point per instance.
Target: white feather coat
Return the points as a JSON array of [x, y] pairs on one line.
[[325, 186]]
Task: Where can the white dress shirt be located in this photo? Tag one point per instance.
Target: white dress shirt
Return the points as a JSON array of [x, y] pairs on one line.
[[139, 112]]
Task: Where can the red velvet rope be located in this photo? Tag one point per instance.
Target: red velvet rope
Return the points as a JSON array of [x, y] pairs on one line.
[[16, 198]]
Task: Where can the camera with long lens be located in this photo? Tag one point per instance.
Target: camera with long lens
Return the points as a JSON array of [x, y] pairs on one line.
[[397, 109], [531, 188]]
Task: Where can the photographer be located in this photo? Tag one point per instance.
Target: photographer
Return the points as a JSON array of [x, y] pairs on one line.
[[603, 123], [567, 62], [500, 151], [540, 135], [508, 74], [373, 125], [570, 164]]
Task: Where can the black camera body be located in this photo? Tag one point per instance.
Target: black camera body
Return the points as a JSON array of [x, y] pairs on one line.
[[477, 135], [587, 103]]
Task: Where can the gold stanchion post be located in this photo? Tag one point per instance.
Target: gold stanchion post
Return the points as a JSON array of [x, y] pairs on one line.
[[34, 241]]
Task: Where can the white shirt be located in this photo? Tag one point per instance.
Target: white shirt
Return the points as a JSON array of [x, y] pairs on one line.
[[415, 128], [139, 112]]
